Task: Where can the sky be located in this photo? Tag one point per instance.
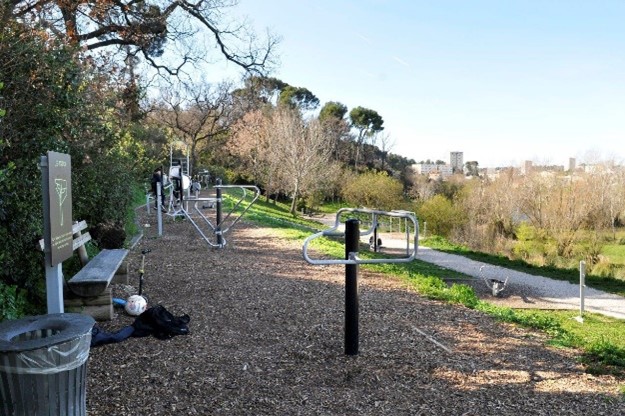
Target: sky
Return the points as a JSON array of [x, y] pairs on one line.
[[501, 81]]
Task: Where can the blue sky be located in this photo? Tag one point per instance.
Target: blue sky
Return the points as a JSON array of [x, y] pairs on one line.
[[502, 81]]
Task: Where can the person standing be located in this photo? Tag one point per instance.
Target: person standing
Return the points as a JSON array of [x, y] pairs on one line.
[[157, 177]]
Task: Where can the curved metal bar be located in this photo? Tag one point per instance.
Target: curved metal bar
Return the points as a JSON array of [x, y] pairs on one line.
[[199, 230], [243, 188], [354, 259]]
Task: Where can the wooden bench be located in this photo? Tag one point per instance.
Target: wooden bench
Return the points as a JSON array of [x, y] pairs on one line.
[[95, 276]]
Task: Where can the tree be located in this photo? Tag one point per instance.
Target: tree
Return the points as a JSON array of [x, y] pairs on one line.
[[257, 92], [331, 111], [197, 114], [332, 117], [55, 102], [296, 97], [283, 152], [492, 212], [367, 122], [146, 28], [472, 168], [375, 190], [250, 142], [441, 215], [303, 152], [386, 144]]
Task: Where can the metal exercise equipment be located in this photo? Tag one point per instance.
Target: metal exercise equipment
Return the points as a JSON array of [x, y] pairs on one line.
[[351, 232], [222, 223], [496, 286]]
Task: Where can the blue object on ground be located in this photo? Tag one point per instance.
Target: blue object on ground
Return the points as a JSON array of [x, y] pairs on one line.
[[99, 337], [119, 302]]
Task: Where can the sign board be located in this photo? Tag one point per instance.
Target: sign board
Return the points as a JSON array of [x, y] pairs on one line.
[[59, 210]]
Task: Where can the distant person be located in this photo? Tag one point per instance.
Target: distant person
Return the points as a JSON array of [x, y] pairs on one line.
[[157, 177], [175, 173]]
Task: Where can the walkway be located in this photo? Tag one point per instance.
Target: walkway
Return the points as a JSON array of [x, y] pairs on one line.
[[522, 290], [529, 291]]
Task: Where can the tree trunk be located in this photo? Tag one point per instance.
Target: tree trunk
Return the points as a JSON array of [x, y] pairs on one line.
[[295, 198]]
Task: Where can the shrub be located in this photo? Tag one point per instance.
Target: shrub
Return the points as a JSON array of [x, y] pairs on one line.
[[441, 215], [13, 302]]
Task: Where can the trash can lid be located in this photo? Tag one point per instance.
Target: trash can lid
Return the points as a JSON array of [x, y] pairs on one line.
[[42, 331]]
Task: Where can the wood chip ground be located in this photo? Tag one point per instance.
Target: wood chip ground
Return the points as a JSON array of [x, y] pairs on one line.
[[267, 339]]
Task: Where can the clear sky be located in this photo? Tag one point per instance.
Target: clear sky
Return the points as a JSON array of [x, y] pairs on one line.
[[501, 80]]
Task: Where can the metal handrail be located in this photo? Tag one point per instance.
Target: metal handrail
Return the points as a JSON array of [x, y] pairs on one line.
[[242, 187], [354, 259], [220, 233]]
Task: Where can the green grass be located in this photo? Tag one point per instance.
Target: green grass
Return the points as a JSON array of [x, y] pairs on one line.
[[601, 339], [615, 252]]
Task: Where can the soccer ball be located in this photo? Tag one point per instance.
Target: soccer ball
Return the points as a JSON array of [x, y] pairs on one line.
[[135, 305]]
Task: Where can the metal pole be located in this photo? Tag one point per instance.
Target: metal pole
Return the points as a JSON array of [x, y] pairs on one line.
[[352, 239], [582, 286], [147, 202], [54, 274], [159, 208], [375, 239], [219, 215]]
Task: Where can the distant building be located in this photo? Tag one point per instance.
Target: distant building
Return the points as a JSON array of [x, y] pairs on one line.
[[456, 160], [433, 168], [572, 164], [527, 167]]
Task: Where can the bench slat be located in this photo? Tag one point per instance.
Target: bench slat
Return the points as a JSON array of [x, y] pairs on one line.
[[84, 238], [95, 277]]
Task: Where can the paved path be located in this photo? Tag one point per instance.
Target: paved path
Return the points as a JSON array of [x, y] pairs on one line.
[[529, 291]]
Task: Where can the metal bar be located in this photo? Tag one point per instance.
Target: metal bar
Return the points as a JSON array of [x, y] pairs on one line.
[[582, 286], [335, 232], [159, 207], [54, 274], [186, 214], [243, 188], [218, 214], [352, 240]]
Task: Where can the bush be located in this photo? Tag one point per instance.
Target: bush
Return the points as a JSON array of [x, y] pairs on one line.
[[53, 103], [441, 215], [375, 190], [13, 304]]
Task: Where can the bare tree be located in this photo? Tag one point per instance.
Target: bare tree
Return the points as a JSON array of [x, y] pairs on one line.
[[147, 28], [304, 151], [251, 142], [198, 115], [491, 209], [386, 144]]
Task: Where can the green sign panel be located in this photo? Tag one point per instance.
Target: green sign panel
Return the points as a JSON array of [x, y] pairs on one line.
[[60, 206]]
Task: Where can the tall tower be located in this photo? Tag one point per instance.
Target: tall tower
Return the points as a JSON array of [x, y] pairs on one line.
[[456, 161]]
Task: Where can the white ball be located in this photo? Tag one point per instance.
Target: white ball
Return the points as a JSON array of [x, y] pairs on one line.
[[135, 305]]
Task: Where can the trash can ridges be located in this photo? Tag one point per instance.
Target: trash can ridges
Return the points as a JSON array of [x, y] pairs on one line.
[[43, 364]]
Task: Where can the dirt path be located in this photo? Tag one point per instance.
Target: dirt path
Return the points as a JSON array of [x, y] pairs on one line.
[[267, 339]]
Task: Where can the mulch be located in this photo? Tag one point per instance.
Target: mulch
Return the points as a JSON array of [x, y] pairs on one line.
[[267, 338]]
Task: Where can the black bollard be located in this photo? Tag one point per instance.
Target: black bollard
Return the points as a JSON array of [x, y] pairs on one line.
[[352, 240]]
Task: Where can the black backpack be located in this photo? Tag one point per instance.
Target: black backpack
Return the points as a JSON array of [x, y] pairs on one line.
[[161, 323]]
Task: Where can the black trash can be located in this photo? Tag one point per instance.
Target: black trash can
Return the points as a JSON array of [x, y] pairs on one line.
[[43, 364]]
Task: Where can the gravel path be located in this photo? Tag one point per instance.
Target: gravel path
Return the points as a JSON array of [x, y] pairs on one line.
[[267, 339], [529, 291]]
